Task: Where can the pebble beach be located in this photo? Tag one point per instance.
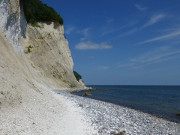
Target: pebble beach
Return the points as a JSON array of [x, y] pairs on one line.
[[106, 118]]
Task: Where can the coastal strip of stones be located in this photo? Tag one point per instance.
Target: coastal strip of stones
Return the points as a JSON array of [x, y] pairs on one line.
[[112, 119]]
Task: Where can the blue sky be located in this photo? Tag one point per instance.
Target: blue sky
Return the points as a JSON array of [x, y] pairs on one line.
[[123, 42]]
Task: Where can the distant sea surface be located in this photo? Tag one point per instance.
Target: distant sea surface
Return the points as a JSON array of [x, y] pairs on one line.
[[161, 101]]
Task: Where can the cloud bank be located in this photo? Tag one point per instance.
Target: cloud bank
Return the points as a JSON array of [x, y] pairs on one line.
[[154, 19], [163, 37], [154, 56], [88, 45], [140, 8]]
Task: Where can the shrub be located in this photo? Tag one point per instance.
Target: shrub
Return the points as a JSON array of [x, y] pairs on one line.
[[72, 85], [35, 11], [29, 48], [77, 75]]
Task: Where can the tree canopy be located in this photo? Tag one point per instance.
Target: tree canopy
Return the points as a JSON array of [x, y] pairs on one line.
[[35, 11], [77, 75]]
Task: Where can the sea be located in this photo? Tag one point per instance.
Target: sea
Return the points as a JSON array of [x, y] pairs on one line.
[[160, 101]]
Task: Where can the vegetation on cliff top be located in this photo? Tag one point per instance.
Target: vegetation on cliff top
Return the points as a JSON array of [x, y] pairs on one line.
[[35, 11], [77, 75]]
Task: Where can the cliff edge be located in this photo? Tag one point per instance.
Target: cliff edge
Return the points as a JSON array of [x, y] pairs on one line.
[[44, 46], [28, 74], [48, 50]]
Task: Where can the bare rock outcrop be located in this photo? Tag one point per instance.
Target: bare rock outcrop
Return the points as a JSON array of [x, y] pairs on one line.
[[27, 105], [45, 46], [49, 52]]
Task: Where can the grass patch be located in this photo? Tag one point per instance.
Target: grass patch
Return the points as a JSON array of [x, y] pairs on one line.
[[72, 85], [29, 48]]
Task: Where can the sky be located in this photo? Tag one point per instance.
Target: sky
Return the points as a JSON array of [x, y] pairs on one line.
[[123, 42]]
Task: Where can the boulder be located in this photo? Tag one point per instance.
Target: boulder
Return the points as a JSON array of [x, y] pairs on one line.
[[87, 94]]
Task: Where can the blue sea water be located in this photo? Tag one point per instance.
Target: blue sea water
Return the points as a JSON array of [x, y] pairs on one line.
[[161, 101]]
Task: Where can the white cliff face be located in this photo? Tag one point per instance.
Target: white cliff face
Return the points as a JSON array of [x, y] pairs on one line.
[[12, 22], [27, 104], [48, 50]]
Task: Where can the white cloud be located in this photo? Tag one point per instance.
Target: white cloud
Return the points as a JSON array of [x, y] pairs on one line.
[[104, 67], [92, 57], [88, 45], [163, 37], [129, 32], [155, 56], [126, 65], [84, 32], [110, 20], [140, 8], [69, 29], [109, 30], [154, 19], [158, 55], [151, 21]]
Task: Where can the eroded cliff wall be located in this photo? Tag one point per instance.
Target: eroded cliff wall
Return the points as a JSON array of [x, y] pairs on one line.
[[45, 47], [12, 22], [28, 76], [49, 52], [27, 104]]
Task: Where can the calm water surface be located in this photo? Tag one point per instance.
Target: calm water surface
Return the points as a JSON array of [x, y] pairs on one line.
[[162, 101]]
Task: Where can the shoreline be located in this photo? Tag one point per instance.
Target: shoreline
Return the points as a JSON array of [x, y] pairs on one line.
[[89, 89], [108, 117]]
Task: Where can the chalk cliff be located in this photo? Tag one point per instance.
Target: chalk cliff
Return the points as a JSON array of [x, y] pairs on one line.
[[45, 46], [27, 104], [49, 52]]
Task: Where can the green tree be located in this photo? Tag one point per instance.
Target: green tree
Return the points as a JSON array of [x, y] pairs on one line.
[[35, 11], [77, 75]]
